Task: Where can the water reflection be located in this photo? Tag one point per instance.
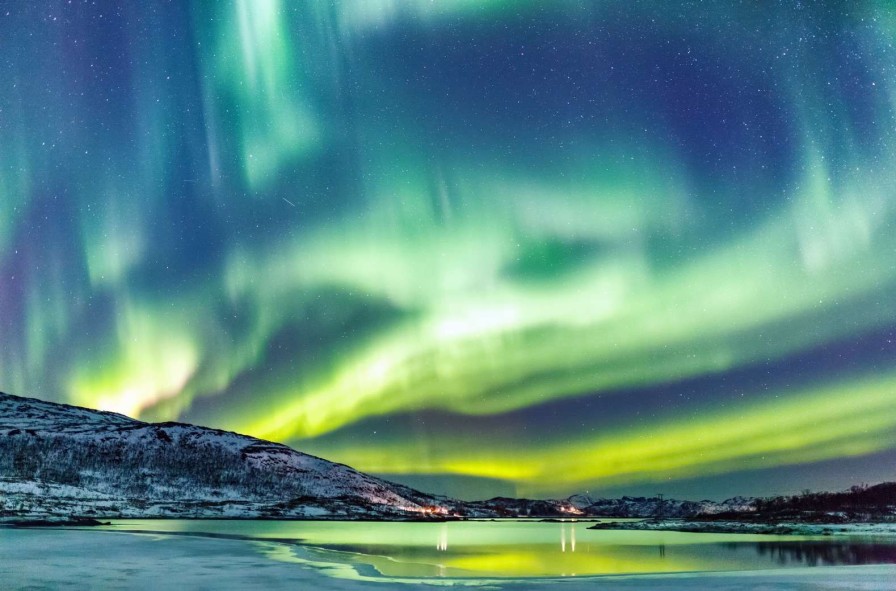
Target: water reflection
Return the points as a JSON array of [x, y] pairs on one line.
[[442, 543], [827, 553], [571, 531], [530, 549]]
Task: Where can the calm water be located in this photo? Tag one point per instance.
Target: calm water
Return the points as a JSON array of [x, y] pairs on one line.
[[530, 548]]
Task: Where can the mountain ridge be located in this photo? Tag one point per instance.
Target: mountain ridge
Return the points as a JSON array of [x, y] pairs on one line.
[[61, 461], [64, 460]]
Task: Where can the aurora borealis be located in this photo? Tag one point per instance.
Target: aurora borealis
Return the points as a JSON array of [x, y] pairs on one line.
[[516, 246]]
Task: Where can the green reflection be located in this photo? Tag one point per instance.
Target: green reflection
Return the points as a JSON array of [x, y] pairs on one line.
[[522, 549]]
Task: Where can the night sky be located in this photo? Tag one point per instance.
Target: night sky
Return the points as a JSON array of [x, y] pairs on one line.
[[479, 246]]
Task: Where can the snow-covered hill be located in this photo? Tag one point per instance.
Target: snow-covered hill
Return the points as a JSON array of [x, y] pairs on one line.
[[62, 461]]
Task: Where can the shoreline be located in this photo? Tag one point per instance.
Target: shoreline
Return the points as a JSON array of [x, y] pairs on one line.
[[96, 521], [778, 528]]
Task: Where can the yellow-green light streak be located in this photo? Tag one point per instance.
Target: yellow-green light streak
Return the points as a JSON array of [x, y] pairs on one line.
[[848, 419]]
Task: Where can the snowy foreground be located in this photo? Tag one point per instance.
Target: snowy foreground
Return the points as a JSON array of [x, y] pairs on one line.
[[84, 559]]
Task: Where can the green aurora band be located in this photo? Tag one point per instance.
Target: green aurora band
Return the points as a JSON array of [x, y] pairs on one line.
[[402, 234]]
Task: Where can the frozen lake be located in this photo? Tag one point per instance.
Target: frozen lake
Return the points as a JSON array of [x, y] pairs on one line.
[[503, 554]]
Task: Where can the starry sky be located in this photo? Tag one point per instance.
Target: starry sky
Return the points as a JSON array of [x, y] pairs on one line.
[[478, 246]]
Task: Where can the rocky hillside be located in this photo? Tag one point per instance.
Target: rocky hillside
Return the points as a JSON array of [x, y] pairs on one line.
[[59, 460]]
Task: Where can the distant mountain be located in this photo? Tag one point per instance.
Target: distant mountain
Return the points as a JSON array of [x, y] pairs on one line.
[[509, 507], [61, 461], [585, 506], [861, 503], [665, 508]]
